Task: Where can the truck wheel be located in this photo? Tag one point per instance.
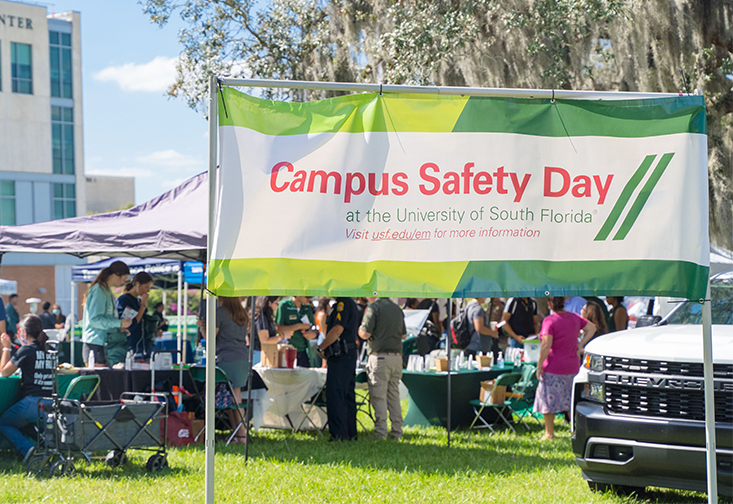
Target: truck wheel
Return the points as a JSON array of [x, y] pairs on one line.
[[616, 489]]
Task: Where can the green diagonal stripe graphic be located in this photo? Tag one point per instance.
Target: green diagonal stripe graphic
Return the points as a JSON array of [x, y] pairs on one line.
[[643, 196], [624, 198]]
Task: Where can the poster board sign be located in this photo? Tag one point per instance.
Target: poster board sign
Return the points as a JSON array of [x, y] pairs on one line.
[[457, 196]]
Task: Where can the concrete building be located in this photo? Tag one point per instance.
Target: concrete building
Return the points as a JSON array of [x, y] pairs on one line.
[[41, 139], [105, 194]]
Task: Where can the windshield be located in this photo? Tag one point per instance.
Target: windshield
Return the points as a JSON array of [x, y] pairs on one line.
[[691, 311]]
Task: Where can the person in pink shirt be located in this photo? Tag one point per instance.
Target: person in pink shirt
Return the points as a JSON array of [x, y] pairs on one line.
[[559, 361]]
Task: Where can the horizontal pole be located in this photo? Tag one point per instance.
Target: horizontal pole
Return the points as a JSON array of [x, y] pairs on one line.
[[445, 90]]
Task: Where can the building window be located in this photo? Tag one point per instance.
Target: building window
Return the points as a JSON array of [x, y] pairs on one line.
[[60, 50], [7, 203], [62, 139], [64, 201], [21, 65]]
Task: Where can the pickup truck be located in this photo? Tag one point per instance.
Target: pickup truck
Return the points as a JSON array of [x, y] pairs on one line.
[[638, 401]]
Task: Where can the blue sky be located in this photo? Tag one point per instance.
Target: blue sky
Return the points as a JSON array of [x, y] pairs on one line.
[[131, 128]]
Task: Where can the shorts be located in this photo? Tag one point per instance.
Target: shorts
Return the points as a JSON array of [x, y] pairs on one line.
[[99, 355]]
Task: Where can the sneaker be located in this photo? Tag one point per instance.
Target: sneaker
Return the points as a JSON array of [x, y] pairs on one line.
[[29, 454]]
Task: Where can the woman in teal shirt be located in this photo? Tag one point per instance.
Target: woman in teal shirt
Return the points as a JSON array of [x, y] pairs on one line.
[[100, 313]]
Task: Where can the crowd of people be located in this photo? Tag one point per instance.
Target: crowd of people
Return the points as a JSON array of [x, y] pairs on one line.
[[325, 332]]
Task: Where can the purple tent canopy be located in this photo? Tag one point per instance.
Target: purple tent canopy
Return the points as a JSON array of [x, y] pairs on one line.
[[172, 225]]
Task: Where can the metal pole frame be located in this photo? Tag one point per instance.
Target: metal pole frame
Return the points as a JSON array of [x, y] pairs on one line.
[[211, 300], [448, 341], [184, 310], [444, 90], [252, 335], [72, 313], [707, 359], [460, 91]]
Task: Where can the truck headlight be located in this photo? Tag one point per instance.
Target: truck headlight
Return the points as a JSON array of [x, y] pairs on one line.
[[594, 392], [593, 362]]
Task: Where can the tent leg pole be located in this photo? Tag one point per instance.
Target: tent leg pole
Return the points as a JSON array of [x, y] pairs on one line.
[[252, 337], [72, 312], [184, 353], [211, 299], [447, 349], [707, 352], [179, 310]]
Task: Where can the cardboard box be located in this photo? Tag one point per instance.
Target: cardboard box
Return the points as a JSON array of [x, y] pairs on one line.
[[441, 365], [270, 355], [484, 361], [498, 395]]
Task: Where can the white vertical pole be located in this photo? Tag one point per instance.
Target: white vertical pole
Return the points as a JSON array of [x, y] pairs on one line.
[[165, 301], [210, 299], [179, 304], [707, 358], [185, 322], [72, 318]]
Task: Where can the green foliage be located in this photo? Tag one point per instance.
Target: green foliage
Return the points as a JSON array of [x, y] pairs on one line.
[[622, 45]]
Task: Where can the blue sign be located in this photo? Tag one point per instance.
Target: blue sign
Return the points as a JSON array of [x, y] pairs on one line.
[[193, 272]]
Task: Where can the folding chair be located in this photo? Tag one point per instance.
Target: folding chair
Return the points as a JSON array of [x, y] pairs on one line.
[[81, 386], [522, 398], [506, 380], [363, 405], [198, 374], [318, 401]]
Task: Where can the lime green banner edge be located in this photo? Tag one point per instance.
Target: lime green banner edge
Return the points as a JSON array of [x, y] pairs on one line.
[[279, 276], [391, 112]]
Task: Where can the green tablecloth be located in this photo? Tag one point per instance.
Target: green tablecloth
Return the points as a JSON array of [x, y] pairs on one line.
[[9, 390], [428, 396]]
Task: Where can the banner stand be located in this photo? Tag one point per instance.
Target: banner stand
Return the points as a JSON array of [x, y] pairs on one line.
[[424, 90]]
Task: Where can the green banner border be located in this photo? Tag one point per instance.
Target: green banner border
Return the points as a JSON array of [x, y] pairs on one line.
[[295, 277], [393, 112]]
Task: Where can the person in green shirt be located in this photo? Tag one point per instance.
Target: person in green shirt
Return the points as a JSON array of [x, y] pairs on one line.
[[296, 314]]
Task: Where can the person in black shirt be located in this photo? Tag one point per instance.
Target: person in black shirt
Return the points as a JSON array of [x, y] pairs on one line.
[[37, 376], [49, 321], [342, 326]]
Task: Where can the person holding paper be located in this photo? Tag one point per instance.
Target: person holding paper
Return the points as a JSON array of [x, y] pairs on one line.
[[100, 315], [520, 315], [133, 305], [296, 314]]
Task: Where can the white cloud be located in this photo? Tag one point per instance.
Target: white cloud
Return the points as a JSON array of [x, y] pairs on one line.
[[153, 76], [120, 172], [168, 157]]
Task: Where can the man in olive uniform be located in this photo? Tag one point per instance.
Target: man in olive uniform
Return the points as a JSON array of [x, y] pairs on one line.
[[383, 328], [340, 351], [297, 312]]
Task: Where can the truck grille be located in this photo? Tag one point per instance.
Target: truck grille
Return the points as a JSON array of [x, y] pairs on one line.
[[693, 369], [666, 403]]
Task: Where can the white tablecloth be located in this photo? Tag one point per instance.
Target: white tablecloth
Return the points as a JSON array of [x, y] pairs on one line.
[[288, 389]]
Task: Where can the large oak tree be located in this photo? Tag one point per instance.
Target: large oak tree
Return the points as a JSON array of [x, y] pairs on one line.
[[624, 45]]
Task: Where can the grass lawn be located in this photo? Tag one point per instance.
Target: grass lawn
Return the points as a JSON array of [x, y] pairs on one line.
[[479, 467]]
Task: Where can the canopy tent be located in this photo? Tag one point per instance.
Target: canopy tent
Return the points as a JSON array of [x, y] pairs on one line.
[[172, 225], [8, 287], [153, 266], [384, 241]]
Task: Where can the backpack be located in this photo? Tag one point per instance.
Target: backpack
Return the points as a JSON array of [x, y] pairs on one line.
[[461, 329]]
